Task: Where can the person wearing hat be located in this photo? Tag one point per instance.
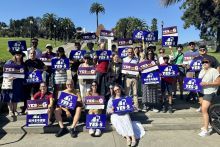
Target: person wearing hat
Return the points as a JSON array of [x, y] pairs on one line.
[[167, 86], [84, 84], [210, 83], [178, 60], [12, 86], [34, 42], [46, 58]]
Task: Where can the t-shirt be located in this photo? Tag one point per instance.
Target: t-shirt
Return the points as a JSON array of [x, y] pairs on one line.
[[133, 60], [38, 53], [209, 76], [41, 96], [189, 56], [102, 66], [167, 79], [180, 58], [32, 64]]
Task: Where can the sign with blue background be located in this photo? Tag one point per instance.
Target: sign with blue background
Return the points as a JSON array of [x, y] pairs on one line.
[[150, 78], [123, 105], [36, 120], [148, 36], [12, 70], [35, 77], [192, 84], [168, 70], [196, 65], [77, 54], [60, 63], [67, 100], [95, 121], [169, 41], [89, 36], [106, 33], [17, 46], [104, 55], [122, 52], [170, 30]]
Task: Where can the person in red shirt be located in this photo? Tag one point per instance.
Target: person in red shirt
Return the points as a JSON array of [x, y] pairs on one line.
[[166, 85], [46, 95]]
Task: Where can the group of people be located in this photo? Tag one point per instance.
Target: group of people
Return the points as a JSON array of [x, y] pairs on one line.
[[111, 83]]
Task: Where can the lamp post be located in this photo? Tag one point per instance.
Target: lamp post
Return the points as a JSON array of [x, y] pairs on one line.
[[31, 22], [54, 34], [162, 23]]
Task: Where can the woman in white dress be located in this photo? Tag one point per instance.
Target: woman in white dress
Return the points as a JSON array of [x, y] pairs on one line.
[[122, 123], [210, 82]]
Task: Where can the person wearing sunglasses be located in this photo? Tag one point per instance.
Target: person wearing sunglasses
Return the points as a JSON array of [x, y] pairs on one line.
[[122, 122], [161, 55], [210, 83], [93, 91], [34, 46]]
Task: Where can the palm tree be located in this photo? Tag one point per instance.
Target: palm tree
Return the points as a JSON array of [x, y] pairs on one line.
[[97, 8], [49, 19], [169, 2]]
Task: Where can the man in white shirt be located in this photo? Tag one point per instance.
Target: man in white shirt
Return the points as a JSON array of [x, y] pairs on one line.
[[34, 42], [131, 81]]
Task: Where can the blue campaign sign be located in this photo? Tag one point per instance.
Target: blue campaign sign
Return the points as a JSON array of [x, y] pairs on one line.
[[139, 34], [36, 120], [67, 100], [125, 42], [95, 121], [12, 70], [150, 78], [77, 54], [151, 36], [196, 65], [192, 84], [35, 77], [17, 46], [168, 70], [89, 36], [60, 63], [104, 55], [170, 30], [123, 105], [169, 41], [122, 52], [37, 104]]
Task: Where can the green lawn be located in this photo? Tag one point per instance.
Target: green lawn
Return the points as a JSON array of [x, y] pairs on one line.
[[5, 55]]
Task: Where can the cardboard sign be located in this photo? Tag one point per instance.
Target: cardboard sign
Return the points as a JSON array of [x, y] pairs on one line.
[[94, 102], [125, 42], [147, 66], [192, 84], [77, 54], [196, 65], [36, 120], [104, 55], [148, 36], [95, 121], [169, 41], [168, 70], [122, 52], [37, 104], [106, 33], [150, 78], [60, 63], [170, 30], [35, 77], [17, 46], [130, 68], [89, 37], [86, 73], [46, 61], [123, 105], [16, 71], [67, 100]]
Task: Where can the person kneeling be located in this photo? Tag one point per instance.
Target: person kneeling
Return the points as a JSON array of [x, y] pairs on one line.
[[74, 113]]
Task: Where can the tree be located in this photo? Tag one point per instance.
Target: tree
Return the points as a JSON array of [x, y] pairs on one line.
[[204, 15], [49, 21], [126, 26], [154, 24], [97, 8], [100, 27]]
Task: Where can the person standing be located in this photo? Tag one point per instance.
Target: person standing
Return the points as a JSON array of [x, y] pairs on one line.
[[34, 42]]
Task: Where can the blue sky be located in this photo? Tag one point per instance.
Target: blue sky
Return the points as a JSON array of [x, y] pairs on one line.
[[78, 11]]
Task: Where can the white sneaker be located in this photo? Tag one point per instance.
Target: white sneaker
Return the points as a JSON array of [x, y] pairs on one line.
[[91, 131], [199, 109], [11, 113], [97, 132], [209, 129], [204, 133], [155, 110], [16, 113]]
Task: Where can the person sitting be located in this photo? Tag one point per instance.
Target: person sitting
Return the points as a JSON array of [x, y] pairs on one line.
[[44, 94], [68, 112], [122, 122]]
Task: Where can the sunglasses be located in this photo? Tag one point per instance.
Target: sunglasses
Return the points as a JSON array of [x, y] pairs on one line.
[[130, 52], [94, 85], [161, 52], [202, 50], [116, 90], [203, 62], [34, 42]]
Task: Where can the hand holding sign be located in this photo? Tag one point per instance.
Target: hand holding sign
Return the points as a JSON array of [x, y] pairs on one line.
[[123, 105], [67, 100]]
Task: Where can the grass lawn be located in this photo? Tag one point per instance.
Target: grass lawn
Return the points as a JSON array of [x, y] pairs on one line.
[[5, 55]]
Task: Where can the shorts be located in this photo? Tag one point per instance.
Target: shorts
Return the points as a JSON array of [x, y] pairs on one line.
[[207, 97], [165, 86]]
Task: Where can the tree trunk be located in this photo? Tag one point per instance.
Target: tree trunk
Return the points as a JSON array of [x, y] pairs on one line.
[[218, 40], [97, 21]]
